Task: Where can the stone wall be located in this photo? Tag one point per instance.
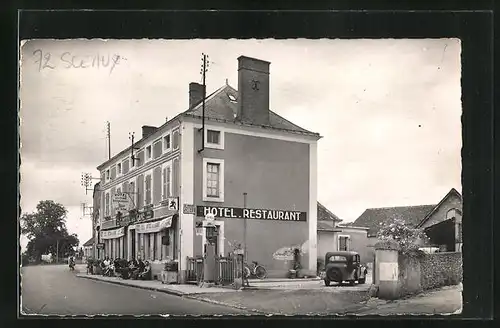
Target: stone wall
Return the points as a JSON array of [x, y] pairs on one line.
[[441, 269], [409, 275]]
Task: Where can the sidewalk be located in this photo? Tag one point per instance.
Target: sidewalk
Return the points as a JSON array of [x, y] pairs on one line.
[[179, 290], [445, 300]]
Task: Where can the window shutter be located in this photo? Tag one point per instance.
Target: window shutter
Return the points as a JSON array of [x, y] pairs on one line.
[[175, 178], [140, 191], [157, 185]]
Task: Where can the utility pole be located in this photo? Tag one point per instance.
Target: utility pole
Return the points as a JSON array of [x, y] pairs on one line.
[[108, 135], [245, 227], [57, 251], [203, 71]]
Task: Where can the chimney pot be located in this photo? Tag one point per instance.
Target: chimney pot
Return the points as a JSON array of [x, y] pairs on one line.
[[196, 94]]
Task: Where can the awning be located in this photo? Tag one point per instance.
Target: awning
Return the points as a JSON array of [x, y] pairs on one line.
[[111, 234], [156, 226]]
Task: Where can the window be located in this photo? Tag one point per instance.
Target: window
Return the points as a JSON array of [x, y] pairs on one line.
[[125, 166], [147, 182], [166, 182], [148, 153], [132, 161], [166, 142], [176, 139], [106, 205], [213, 180], [157, 149], [214, 139], [132, 192], [119, 168], [213, 174], [107, 175], [344, 243]]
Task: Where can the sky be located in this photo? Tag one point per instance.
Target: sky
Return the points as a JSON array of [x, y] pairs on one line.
[[389, 111]]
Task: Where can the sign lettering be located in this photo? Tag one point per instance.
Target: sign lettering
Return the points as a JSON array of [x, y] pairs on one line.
[[254, 214]]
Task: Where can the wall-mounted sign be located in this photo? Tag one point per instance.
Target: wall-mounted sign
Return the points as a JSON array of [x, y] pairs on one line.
[[111, 234], [156, 226], [248, 213], [120, 198], [100, 246], [148, 214], [189, 209], [172, 203]]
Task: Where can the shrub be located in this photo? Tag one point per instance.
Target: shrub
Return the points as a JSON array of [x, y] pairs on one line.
[[405, 236]]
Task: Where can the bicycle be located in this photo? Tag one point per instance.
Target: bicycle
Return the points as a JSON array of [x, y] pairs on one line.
[[256, 270]]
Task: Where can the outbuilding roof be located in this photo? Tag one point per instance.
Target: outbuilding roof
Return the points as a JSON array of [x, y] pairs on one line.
[[89, 242]]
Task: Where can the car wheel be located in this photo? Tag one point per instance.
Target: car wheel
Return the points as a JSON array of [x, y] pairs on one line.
[[334, 275], [327, 282], [361, 281]]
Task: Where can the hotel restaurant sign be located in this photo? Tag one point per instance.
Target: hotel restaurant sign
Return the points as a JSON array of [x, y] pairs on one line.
[[248, 213]]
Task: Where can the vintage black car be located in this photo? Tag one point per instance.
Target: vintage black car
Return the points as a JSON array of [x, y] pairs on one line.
[[344, 266]]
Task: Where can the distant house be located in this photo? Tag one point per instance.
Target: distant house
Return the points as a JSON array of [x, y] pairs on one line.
[[334, 236], [441, 222], [88, 248]]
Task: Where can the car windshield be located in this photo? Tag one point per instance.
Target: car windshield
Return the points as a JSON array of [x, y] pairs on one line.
[[337, 258]]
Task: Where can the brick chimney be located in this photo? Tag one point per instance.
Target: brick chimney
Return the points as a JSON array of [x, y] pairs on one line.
[[147, 130], [253, 89], [196, 94]]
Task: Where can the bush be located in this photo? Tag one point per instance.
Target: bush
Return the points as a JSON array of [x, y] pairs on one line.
[[320, 264]]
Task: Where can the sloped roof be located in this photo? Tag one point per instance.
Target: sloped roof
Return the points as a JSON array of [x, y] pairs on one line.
[[453, 191], [324, 214], [373, 217], [89, 242], [219, 107], [326, 226]]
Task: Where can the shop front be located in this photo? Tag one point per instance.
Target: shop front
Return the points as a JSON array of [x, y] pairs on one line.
[[264, 233], [153, 241], [113, 240]]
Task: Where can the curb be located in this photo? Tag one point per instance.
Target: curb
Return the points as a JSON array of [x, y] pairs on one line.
[[176, 293], [163, 290]]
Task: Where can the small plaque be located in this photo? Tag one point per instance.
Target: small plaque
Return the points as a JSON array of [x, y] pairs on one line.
[[188, 209]]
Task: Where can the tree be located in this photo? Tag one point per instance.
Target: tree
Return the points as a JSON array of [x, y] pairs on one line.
[[46, 231], [408, 238]]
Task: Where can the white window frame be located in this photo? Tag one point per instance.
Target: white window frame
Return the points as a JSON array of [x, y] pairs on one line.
[[219, 161], [133, 192], [116, 172], [150, 158], [150, 174], [108, 174], [169, 148], [164, 167], [178, 141], [119, 169], [220, 145], [123, 162], [107, 205], [159, 140], [347, 242]]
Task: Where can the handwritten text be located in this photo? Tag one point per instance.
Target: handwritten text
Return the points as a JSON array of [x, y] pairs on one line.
[[67, 60]]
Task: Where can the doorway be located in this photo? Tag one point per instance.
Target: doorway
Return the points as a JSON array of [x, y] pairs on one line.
[[212, 236], [132, 246]]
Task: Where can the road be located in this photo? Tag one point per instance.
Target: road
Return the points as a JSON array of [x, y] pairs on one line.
[[53, 289]]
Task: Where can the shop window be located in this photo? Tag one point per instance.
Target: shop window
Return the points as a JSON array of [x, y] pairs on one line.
[[214, 139], [213, 180], [343, 243], [166, 142]]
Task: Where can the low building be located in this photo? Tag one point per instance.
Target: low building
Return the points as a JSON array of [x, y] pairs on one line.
[[88, 248], [334, 236], [156, 193], [441, 222]]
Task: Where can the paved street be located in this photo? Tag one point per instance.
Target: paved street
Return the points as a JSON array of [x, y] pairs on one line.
[[53, 289]]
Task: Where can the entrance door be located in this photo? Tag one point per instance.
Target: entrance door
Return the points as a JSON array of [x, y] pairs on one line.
[[212, 235], [132, 249]]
